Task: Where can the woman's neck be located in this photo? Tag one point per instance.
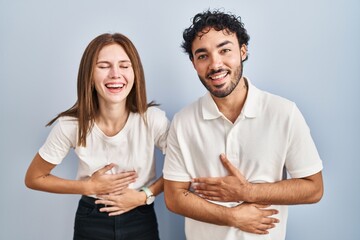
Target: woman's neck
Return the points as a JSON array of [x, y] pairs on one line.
[[112, 118]]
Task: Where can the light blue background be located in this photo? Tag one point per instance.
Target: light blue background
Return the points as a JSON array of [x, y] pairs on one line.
[[307, 51]]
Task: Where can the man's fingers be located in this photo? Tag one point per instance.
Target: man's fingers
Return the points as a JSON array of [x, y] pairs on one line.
[[207, 193], [265, 227], [270, 220], [206, 180], [227, 164], [261, 205]]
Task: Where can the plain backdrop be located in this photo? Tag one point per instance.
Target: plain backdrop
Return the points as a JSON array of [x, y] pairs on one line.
[[307, 51]]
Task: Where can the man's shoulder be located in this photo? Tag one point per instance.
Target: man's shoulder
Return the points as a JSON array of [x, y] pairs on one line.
[[274, 101], [189, 111]]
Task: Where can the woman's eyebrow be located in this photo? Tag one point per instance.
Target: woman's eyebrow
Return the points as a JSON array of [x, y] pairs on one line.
[[106, 61]]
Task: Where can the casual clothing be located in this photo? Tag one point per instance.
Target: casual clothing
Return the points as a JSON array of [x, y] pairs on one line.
[[269, 134], [137, 224], [130, 149]]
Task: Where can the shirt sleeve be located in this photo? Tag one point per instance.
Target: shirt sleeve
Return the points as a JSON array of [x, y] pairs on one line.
[[58, 143], [302, 158], [174, 165], [160, 127]]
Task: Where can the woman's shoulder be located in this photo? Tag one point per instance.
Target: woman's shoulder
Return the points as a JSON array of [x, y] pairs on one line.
[[68, 121], [65, 130], [67, 125], [155, 110], [156, 116]]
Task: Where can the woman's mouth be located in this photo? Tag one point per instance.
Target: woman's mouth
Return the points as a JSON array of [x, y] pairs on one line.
[[114, 85]]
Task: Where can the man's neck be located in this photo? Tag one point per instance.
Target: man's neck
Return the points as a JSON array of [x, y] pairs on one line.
[[232, 104]]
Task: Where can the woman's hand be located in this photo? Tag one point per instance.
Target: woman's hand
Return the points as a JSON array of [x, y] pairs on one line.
[[101, 183], [122, 202]]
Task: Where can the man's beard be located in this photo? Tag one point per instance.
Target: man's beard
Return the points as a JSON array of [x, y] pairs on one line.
[[225, 92]]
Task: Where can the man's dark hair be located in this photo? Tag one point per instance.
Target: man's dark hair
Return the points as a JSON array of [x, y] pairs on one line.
[[218, 20]]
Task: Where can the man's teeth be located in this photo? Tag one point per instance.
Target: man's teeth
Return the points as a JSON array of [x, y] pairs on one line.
[[218, 76]]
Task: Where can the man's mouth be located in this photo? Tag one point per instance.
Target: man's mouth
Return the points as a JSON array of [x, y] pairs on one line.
[[218, 74]]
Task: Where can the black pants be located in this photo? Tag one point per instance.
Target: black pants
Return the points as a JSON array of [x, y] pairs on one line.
[[138, 224]]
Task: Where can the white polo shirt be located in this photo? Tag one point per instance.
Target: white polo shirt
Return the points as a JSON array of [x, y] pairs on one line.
[[131, 149], [269, 134]]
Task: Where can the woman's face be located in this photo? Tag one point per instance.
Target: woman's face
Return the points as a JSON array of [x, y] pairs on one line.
[[113, 75]]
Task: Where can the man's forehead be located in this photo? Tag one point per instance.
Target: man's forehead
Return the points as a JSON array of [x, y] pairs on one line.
[[206, 30], [214, 38]]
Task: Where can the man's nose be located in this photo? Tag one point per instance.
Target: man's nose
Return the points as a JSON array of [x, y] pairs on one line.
[[215, 62]]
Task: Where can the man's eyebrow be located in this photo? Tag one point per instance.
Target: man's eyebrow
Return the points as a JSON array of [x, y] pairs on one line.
[[200, 50], [224, 43]]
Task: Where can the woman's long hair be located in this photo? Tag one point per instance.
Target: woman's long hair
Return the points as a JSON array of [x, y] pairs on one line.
[[87, 105]]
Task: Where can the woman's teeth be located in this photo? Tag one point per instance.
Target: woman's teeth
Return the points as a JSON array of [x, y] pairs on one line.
[[114, 85]]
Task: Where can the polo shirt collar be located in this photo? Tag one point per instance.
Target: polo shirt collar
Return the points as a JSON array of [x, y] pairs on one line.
[[250, 109], [252, 103]]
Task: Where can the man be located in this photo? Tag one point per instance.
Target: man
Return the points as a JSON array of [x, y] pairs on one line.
[[259, 137]]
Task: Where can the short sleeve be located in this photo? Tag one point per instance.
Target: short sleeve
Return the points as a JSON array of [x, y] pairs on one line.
[[302, 158], [61, 139], [160, 126], [174, 165]]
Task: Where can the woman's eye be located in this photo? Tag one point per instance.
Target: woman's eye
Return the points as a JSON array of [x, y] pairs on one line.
[[125, 66], [103, 66]]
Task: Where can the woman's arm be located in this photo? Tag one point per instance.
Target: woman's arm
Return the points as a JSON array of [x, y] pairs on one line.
[[39, 177], [128, 199]]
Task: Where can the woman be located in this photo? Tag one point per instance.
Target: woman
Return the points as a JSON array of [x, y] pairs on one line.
[[113, 131]]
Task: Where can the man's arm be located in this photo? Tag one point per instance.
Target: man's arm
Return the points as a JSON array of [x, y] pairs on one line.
[[235, 187], [247, 217]]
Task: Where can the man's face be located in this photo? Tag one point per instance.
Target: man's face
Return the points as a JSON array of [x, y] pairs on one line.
[[218, 61]]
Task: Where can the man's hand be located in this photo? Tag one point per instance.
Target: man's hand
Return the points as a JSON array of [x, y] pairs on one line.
[[102, 183], [253, 218], [232, 188]]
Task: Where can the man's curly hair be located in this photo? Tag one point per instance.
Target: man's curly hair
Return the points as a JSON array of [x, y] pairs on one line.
[[218, 20]]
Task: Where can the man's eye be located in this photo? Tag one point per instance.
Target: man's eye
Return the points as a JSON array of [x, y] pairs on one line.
[[225, 50], [201, 57]]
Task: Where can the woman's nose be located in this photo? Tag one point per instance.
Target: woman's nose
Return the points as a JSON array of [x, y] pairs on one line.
[[115, 73]]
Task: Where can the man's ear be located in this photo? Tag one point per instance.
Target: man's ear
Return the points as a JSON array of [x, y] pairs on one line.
[[243, 52]]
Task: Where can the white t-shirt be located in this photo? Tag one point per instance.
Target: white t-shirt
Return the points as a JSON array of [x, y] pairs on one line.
[[269, 134], [131, 149]]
